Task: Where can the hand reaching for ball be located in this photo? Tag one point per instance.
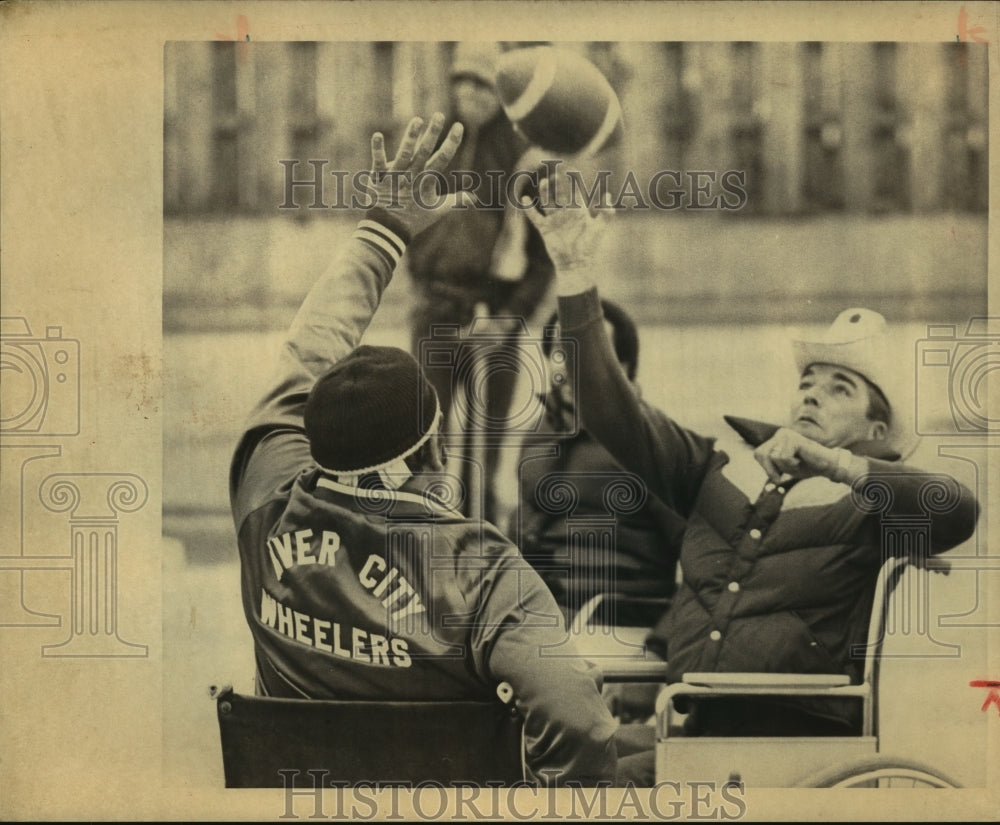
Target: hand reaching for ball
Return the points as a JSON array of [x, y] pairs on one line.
[[575, 234], [406, 188]]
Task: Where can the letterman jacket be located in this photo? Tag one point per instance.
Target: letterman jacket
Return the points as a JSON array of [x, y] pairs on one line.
[[354, 594]]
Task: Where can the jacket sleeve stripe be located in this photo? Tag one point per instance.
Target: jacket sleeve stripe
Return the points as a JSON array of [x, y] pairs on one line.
[[384, 240]]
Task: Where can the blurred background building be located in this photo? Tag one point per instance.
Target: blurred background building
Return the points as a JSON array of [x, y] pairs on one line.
[[853, 149]]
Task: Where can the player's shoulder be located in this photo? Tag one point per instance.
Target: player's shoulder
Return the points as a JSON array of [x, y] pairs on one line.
[[475, 547], [475, 537], [269, 471]]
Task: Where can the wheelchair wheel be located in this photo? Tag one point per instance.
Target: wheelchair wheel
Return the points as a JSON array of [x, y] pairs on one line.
[[879, 771]]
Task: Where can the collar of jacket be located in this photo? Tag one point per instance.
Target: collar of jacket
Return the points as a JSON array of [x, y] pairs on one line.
[[382, 499], [756, 433]]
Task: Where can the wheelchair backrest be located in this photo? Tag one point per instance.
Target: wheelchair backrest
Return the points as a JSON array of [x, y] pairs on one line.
[[269, 742]]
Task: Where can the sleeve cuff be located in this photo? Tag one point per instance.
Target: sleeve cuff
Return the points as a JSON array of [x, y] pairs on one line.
[[574, 280], [579, 310], [384, 239]]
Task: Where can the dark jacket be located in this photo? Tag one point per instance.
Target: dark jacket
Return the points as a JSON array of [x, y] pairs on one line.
[[450, 262], [644, 535], [777, 578], [383, 595]]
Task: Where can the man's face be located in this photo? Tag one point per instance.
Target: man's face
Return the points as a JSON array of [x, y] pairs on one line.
[[831, 407]]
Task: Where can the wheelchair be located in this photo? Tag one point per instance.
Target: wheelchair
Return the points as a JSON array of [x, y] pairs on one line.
[[268, 742], [849, 761], [277, 743]]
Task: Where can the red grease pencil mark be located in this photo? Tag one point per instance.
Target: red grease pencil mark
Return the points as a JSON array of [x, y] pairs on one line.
[[993, 697], [965, 34], [242, 38]]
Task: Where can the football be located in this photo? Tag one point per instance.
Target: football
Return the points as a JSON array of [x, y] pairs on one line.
[[559, 100]]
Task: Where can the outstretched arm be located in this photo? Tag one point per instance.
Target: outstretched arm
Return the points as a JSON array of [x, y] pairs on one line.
[[669, 458], [340, 306]]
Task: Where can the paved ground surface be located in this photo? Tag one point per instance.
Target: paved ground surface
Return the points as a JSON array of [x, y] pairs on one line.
[[929, 711], [692, 267]]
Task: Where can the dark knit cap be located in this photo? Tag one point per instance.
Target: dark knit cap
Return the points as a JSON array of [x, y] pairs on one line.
[[370, 409]]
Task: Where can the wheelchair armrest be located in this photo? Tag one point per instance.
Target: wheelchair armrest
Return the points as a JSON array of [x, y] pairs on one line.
[[761, 684], [738, 681], [640, 671], [755, 684], [591, 608]]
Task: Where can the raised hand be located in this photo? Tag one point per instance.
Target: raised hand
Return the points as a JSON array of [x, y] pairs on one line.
[[410, 187], [574, 235]]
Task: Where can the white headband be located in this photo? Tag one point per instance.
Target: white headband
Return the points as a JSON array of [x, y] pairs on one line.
[[394, 472]]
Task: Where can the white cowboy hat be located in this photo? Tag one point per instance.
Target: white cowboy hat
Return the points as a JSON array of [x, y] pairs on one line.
[[858, 339]]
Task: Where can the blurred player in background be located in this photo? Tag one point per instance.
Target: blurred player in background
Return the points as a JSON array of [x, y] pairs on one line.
[[647, 538], [489, 260]]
